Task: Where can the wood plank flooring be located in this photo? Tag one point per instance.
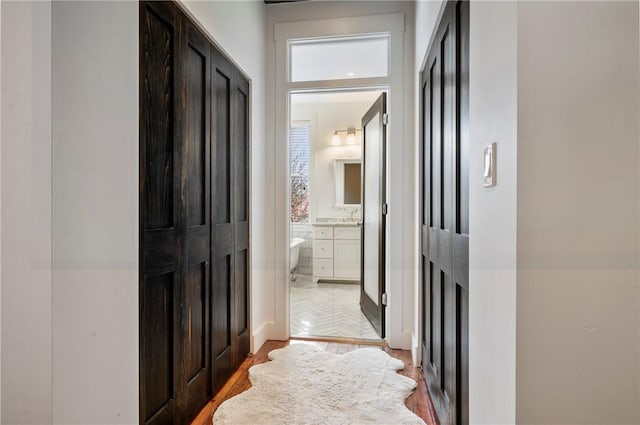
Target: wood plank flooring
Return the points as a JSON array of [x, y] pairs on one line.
[[419, 402]]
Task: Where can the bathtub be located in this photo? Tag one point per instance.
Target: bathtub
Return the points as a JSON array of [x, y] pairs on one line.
[[296, 243]]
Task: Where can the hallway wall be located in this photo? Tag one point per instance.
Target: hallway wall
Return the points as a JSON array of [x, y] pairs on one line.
[[578, 292], [26, 213], [493, 103], [562, 106], [95, 212]]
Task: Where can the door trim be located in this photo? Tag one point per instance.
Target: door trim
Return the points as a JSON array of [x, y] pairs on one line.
[[399, 234]]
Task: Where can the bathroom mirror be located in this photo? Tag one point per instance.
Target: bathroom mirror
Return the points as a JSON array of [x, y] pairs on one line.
[[348, 176]]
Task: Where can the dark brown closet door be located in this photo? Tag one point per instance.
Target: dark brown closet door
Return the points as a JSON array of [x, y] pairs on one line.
[[175, 293], [445, 215], [222, 229], [196, 190], [194, 216], [230, 232], [161, 236]]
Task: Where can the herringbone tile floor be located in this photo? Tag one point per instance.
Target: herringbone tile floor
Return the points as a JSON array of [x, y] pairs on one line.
[[328, 310]]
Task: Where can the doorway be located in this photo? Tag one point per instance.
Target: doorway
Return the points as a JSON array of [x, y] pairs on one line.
[[336, 190]]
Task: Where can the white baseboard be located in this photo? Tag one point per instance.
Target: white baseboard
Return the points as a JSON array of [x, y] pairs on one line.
[[259, 337], [407, 339], [416, 354]]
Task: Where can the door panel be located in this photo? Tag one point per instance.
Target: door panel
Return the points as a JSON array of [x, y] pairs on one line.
[[161, 266], [240, 129], [373, 210], [231, 231], [158, 377], [445, 210], [224, 355], [196, 98], [373, 223]]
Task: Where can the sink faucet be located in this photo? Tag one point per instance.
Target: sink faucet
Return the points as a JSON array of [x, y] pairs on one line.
[[353, 212]]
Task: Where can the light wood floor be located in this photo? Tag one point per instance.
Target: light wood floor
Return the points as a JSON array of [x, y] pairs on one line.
[[419, 402]]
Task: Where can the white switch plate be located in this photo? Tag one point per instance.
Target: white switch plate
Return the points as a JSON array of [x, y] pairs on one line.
[[489, 177]]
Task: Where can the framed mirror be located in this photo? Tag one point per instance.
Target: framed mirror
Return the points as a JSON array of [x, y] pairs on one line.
[[348, 181]]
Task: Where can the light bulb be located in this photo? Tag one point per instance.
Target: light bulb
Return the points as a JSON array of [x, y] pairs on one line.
[[335, 140], [351, 138]]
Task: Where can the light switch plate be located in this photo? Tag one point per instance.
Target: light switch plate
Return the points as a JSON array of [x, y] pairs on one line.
[[490, 157]]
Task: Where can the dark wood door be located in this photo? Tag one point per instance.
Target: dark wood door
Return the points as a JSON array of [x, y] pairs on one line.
[[193, 274], [196, 199], [230, 232], [161, 219], [374, 146], [445, 215]]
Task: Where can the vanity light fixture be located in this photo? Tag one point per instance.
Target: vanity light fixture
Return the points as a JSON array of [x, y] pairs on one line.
[[351, 136]]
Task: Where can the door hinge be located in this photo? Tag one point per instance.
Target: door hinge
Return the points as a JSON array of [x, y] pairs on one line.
[[385, 208], [384, 299], [385, 119]]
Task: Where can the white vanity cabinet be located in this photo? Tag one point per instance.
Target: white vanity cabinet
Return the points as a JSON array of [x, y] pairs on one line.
[[336, 252]]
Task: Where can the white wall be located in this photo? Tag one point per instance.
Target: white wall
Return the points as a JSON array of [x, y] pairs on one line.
[[573, 220], [493, 106], [238, 28], [578, 216], [1, 113], [95, 212], [26, 213], [328, 117]]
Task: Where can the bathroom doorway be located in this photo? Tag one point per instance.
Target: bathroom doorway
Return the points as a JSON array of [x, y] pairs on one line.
[[336, 165]]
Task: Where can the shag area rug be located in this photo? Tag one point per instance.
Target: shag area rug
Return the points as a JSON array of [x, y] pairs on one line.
[[303, 384]]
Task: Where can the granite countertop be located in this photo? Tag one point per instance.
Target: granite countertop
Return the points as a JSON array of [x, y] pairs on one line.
[[337, 222]]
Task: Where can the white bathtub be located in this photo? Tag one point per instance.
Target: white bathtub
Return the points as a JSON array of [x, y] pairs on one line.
[[296, 243]]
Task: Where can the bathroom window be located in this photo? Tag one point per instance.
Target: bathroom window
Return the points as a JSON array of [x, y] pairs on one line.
[[299, 170]]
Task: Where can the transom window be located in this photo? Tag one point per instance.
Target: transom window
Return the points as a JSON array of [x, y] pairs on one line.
[[339, 58]]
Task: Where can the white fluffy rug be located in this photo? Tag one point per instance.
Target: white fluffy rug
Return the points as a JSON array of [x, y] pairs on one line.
[[303, 384]]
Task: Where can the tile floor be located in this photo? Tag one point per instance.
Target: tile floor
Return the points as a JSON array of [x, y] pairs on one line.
[[328, 310]]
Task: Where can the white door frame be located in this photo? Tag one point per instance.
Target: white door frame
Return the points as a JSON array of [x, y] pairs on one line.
[[394, 26]]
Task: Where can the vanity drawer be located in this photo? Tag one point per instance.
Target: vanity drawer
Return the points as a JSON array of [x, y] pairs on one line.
[[322, 268], [323, 232], [347, 232], [322, 249]]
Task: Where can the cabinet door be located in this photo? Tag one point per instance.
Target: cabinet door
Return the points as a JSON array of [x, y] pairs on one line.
[[323, 249], [323, 232], [346, 259], [322, 267]]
